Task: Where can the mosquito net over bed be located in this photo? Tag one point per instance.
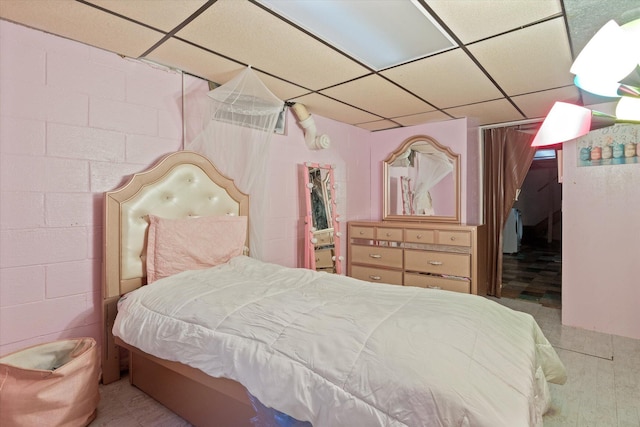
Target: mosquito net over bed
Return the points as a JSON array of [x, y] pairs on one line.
[[237, 130]]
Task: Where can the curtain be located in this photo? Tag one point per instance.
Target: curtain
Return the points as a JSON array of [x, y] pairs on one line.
[[508, 155]]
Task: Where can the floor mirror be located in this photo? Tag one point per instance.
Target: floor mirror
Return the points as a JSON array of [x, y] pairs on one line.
[[322, 231]]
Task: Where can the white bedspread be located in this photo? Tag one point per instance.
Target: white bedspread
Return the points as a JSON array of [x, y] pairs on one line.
[[337, 351]]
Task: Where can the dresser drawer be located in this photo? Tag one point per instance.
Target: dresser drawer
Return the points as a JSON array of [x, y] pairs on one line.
[[323, 238], [389, 234], [376, 255], [412, 235], [435, 282], [362, 232], [324, 258], [454, 238], [437, 262], [371, 274]]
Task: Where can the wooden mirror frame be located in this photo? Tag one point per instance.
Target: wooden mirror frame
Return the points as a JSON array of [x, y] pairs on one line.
[[455, 158]]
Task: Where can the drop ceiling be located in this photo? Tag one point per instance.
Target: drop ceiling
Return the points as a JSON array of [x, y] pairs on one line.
[[511, 62]]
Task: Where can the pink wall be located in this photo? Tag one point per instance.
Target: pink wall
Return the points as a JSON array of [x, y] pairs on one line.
[[75, 121], [600, 246]]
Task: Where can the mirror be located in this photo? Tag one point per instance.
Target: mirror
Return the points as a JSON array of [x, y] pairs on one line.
[[422, 182], [322, 234]]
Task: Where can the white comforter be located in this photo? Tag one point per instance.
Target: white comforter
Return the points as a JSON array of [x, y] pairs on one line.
[[341, 352]]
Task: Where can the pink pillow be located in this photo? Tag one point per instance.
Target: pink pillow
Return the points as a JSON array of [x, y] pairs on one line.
[[176, 245]]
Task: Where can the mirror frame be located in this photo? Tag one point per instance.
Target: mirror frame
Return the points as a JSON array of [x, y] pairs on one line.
[[333, 221], [455, 158]]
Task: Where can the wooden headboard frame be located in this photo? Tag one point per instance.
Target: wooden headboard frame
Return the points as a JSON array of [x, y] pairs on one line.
[[180, 185]]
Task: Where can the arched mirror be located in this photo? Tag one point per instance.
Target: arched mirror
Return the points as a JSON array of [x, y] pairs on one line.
[[322, 232], [422, 182]]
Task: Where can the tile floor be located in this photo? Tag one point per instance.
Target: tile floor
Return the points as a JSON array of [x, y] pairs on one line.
[[602, 390], [534, 274]]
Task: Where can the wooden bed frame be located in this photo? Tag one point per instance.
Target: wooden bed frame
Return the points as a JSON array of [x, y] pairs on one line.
[[182, 184]]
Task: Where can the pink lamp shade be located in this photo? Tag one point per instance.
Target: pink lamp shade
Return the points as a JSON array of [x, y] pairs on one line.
[[564, 122]]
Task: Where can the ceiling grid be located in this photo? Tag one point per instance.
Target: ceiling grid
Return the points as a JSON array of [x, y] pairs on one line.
[[511, 62]]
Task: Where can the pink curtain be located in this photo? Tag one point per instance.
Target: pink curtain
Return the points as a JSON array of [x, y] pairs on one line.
[[507, 157]]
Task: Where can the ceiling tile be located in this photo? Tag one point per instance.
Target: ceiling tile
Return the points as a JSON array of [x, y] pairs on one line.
[[327, 107], [377, 95], [378, 125], [445, 80], [177, 54], [77, 21], [538, 104], [534, 58], [416, 119], [209, 66], [280, 88], [165, 15], [251, 35], [522, 44], [486, 113], [475, 20]]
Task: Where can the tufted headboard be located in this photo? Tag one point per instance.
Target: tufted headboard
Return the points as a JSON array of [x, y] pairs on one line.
[[182, 184]]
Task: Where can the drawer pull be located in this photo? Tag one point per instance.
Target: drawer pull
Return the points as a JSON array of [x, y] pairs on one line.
[[419, 236], [361, 232], [375, 277], [388, 234], [435, 262], [453, 238], [434, 287], [375, 256]]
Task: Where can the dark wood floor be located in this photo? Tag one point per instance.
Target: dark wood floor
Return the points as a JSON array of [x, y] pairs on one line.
[[534, 273]]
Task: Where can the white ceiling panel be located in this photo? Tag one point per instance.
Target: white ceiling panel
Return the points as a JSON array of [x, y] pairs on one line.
[[486, 113], [77, 21], [167, 16], [512, 64], [417, 119], [445, 80], [534, 58], [280, 88], [255, 37], [538, 104], [478, 19], [335, 110], [378, 125], [379, 96], [178, 54]]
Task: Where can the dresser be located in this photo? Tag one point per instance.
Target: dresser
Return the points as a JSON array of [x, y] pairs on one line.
[[428, 255]]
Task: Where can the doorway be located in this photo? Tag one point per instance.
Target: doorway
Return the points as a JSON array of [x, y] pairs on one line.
[[532, 267]]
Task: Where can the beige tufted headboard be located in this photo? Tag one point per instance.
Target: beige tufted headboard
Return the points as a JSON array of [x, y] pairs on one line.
[[182, 184]]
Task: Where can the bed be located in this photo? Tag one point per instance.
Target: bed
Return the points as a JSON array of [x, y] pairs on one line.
[[210, 342]]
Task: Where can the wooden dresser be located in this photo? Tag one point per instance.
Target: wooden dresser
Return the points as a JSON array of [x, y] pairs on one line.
[[429, 255]]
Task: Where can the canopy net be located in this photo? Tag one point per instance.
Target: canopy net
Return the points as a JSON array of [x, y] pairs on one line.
[[236, 136]]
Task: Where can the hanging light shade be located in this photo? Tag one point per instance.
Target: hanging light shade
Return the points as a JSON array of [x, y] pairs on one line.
[[632, 30], [628, 90], [610, 56], [609, 65], [628, 109], [568, 121], [597, 86]]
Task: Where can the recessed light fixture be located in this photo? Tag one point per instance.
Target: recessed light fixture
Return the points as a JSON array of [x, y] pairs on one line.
[[378, 33]]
